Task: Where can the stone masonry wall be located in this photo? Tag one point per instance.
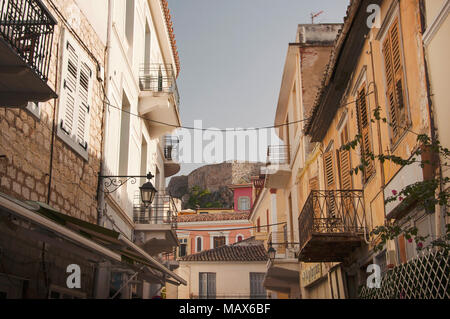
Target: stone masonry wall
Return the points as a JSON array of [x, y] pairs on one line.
[[25, 141]]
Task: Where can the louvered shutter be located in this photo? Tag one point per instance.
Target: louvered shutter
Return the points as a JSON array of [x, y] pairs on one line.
[[76, 91], [330, 182], [344, 163], [69, 89], [83, 107], [329, 170], [395, 81], [362, 110]]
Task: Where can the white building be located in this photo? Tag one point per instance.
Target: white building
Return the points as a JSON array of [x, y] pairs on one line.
[[140, 85]]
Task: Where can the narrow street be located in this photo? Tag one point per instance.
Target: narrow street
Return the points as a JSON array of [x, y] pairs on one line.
[[224, 154]]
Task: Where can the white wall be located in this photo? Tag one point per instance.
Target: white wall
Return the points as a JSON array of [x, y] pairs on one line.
[[232, 278]]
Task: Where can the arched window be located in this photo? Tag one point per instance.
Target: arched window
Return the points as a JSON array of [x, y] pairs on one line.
[[199, 244], [244, 203], [239, 238]]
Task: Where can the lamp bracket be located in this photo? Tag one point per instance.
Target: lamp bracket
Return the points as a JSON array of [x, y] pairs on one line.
[[113, 183]]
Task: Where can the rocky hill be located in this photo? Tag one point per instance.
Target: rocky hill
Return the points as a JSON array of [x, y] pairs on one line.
[[215, 178]]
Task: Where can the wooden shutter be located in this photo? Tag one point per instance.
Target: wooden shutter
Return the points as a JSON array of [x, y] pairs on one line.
[[328, 164], [330, 182], [76, 91], [395, 81], [314, 184], [69, 89], [83, 107], [362, 110], [344, 162]]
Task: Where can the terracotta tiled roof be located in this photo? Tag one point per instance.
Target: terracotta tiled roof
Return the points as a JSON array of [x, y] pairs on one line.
[[212, 217], [231, 253], [169, 25]]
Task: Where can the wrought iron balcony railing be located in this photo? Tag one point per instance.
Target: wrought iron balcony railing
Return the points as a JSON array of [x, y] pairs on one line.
[[278, 154], [171, 144], [160, 77], [332, 212], [162, 211], [27, 26]]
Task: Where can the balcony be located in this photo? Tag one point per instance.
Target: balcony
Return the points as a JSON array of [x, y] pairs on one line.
[[282, 272], [331, 225], [159, 99], [26, 38], [171, 165], [155, 226], [278, 170]]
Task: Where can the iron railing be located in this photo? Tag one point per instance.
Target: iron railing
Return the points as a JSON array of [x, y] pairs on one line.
[[27, 26], [162, 211], [158, 77], [424, 277], [171, 144], [278, 154], [332, 212]]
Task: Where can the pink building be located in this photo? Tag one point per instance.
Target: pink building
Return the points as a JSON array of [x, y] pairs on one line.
[[211, 228], [243, 197]]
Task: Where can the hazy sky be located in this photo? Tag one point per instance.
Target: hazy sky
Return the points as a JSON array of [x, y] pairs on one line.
[[232, 55]]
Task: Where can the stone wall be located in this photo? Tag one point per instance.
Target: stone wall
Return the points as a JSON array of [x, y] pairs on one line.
[[215, 178], [26, 141]]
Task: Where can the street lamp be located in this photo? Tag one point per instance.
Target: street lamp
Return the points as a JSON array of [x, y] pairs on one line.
[[271, 252], [113, 183], [148, 192]]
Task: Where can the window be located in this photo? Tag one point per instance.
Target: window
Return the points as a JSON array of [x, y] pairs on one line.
[[219, 241], [182, 251], [395, 81], [239, 238], [344, 161], [363, 112], [34, 108], [257, 290], [75, 97], [244, 203], [129, 26], [125, 137], [199, 244], [207, 285], [258, 225]]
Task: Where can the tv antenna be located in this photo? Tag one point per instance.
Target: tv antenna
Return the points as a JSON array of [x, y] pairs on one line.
[[315, 15]]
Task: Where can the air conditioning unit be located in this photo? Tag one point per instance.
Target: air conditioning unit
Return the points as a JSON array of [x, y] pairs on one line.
[[391, 259]]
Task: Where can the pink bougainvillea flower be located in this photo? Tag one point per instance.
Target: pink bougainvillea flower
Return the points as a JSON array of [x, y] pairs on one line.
[[410, 240], [394, 192], [400, 198], [420, 245]]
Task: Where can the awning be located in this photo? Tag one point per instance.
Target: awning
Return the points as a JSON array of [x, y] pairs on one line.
[[106, 242]]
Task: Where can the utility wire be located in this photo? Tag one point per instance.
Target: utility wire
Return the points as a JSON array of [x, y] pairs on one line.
[[204, 129], [218, 130], [241, 228]]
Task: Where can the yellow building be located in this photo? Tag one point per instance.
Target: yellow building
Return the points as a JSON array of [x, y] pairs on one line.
[[371, 66], [279, 196], [321, 213]]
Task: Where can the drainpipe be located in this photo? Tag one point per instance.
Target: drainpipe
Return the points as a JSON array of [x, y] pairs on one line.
[[100, 190]]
